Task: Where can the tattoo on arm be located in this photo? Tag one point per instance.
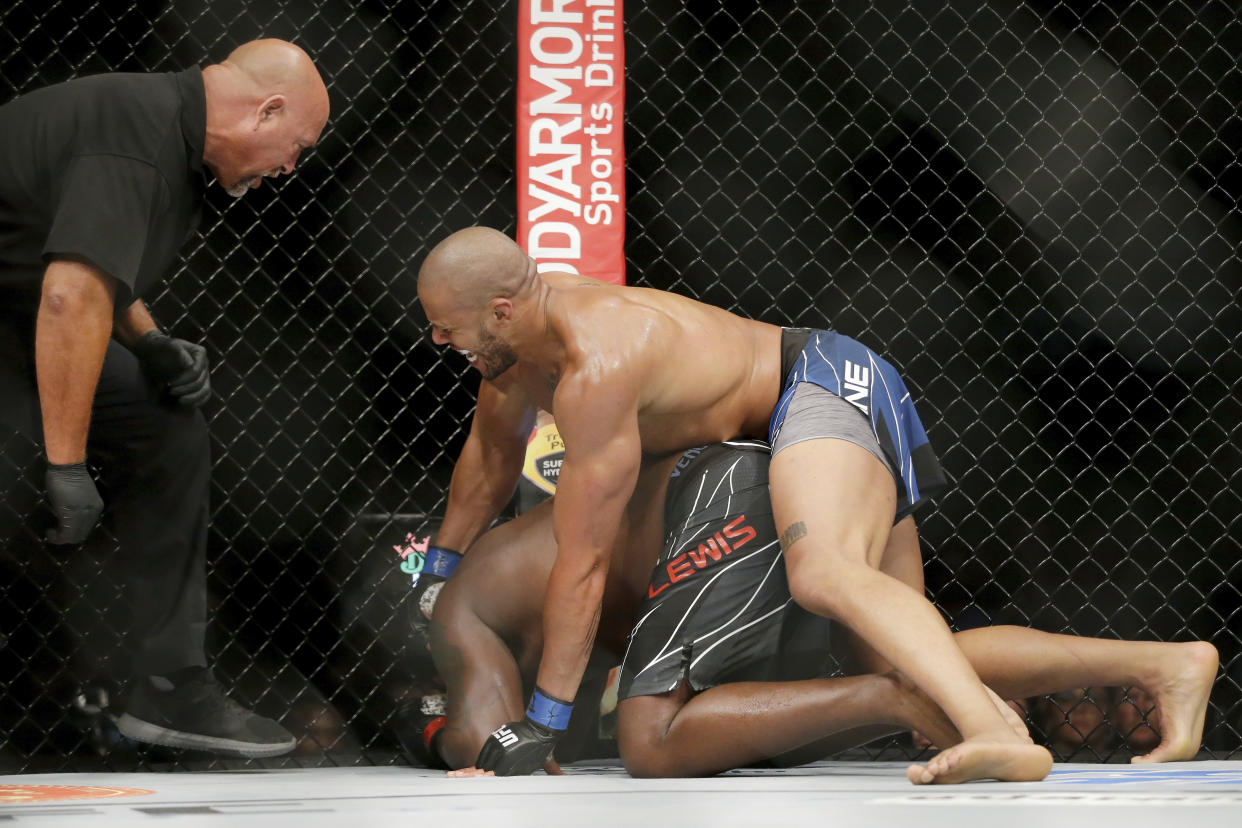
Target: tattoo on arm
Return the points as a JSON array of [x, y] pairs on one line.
[[793, 533]]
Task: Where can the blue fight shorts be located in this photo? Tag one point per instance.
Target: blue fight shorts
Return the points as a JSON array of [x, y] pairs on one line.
[[860, 377]]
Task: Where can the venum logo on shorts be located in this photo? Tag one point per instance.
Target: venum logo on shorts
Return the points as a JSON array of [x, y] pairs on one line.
[[707, 553], [857, 385], [686, 459]]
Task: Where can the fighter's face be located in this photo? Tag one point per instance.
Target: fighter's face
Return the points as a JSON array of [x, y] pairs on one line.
[[492, 356], [467, 334]]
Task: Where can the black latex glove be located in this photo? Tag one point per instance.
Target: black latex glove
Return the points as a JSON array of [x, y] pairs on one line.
[[75, 501], [518, 748], [175, 365]]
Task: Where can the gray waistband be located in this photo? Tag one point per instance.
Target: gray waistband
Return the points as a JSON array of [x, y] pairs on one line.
[[816, 413]]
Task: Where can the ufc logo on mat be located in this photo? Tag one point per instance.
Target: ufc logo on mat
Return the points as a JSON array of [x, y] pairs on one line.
[[505, 736]]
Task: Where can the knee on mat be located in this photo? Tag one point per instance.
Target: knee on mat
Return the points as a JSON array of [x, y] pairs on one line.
[[646, 760], [640, 739]]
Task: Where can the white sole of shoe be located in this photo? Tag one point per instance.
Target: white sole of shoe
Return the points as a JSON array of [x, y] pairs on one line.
[[141, 731]]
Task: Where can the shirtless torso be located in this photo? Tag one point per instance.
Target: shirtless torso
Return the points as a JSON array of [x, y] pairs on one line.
[[631, 375], [697, 374]]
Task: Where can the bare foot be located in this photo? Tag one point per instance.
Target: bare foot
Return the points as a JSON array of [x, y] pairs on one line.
[[972, 760], [1183, 680], [1011, 718], [916, 710], [932, 728]]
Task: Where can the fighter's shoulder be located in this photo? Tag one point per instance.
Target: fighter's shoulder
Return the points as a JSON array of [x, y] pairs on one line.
[[581, 292], [588, 308]]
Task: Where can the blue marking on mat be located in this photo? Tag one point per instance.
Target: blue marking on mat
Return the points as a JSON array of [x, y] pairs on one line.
[[1143, 776]]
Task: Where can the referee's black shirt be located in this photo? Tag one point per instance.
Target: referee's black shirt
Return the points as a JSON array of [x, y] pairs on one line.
[[106, 168]]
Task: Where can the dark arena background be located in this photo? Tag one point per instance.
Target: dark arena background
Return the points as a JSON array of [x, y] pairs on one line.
[[1030, 207]]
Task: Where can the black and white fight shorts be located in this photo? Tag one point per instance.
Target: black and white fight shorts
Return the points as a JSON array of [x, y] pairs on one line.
[[718, 607]]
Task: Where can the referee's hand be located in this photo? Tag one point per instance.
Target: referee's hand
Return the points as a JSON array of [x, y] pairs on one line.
[[175, 365], [75, 501]]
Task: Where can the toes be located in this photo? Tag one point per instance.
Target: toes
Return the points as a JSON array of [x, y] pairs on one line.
[[1160, 754], [919, 775]]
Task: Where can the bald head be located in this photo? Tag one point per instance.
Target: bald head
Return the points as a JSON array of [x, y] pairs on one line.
[[266, 103], [476, 288], [278, 67], [476, 265]]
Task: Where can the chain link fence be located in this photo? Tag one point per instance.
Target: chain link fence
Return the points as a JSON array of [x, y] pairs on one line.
[[1031, 208]]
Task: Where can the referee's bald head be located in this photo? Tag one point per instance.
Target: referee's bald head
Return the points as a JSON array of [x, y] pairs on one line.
[[266, 104]]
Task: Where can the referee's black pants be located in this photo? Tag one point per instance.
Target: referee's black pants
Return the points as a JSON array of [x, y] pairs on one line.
[[154, 463]]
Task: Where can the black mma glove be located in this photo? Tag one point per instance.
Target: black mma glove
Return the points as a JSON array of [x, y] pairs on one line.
[[175, 365], [418, 723], [523, 747], [75, 501], [438, 565]]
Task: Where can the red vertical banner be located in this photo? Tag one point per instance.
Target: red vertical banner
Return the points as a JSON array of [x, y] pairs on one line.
[[570, 142]]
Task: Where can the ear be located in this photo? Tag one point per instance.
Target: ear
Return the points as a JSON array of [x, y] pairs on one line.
[[271, 107], [501, 309]]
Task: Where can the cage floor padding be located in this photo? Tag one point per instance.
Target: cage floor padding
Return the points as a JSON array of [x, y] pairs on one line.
[[1200, 794]]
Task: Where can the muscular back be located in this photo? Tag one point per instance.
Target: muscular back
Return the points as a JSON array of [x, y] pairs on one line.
[[703, 374]]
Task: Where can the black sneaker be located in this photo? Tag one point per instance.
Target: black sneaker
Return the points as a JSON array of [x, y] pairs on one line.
[[189, 710]]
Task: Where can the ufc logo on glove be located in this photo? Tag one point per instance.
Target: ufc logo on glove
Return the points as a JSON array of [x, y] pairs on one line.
[[505, 736]]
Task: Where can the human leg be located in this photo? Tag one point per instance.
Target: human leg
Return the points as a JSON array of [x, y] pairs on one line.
[[833, 557], [1019, 662], [706, 682], [156, 468], [903, 559], [681, 733]]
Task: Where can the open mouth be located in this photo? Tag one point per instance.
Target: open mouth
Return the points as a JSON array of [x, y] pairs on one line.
[[469, 355]]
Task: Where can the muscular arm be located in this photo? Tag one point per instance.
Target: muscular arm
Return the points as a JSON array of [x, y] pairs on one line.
[[603, 451], [131, 323], [487, 470], [72, 331]]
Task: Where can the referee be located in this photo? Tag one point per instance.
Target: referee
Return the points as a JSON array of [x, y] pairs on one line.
[[101, 183]]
